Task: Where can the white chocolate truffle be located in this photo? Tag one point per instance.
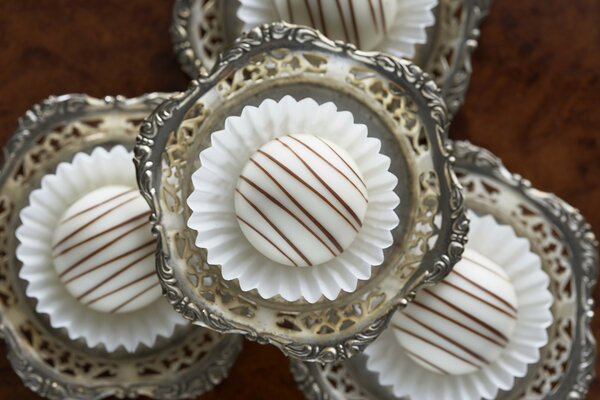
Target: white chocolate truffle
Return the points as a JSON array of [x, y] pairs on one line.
[[300, 200], [364, 23], [463, 323], [104, 251]]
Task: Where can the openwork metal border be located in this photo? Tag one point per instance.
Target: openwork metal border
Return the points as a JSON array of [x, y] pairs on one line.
[[567, 367], [198, 36], [187, 365], [166, 119]]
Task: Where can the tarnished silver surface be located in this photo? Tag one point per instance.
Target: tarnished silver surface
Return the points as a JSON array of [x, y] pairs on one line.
[[399, 105], [49, 363], [568, 249], [202, 29]]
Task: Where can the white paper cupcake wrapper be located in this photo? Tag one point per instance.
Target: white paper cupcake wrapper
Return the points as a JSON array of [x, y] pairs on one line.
[[500, 244], [214, 216], [407, 29], [58, 191]]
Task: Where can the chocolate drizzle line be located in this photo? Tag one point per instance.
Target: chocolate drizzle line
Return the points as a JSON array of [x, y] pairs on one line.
[[440, 369], [332, 166], [275, 227], [494, 295], [288, 211], [297, 204], [448, 339], [352, 14], [104, 232], [344, 161], [464, 257], [339, 7], [329, 189], [469, 316], [312, 189], [431, 343], [90, 222], [116, 258], [132, 298], [373, 16], [97, 205], [93, 253], [267, 239], [454, 321], [125, 286], [484, 301], [114, 275]]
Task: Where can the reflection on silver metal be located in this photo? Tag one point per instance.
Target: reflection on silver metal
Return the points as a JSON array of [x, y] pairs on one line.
[[202, 29], [568, 249], [399, 105], [191, 362]]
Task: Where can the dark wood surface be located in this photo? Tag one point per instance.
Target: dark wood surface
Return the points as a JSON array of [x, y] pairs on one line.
[[534, 101]]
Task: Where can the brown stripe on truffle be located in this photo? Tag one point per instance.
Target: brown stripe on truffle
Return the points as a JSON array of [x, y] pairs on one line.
[[344, 161], [373, 16], [322, 17], [454, 321], [114, 275], [353, 17], [288, 211], [486, 290], [275, 227], [445, 350], [90, 222], [339, 7], [307, 185], [297, 204], [310, 15], [267, 239], [467, 315], [124, 286], [332, 166], [432, 365], [104, 232], [448, 339], [116, 258], [329, 189], [134, 297], [77, 214], [484, 301], [93, 253], [381, 12]]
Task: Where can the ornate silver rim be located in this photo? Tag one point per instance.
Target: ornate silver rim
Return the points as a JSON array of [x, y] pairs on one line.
[[572, 368], [167, 119], [193, 361], [198, 37]]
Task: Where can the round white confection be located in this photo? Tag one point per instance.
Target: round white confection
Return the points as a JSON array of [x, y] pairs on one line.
[[364, 23], [300, 200], [103, 250], [463, 323]]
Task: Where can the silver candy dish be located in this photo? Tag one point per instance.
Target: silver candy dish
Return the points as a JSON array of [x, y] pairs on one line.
[[202, 29], [187, 364], [568, 249], [399, 105]]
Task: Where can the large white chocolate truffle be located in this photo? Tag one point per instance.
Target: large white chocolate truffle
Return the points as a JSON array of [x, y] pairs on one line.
[[300, 200], [104, 251], [463, 323]]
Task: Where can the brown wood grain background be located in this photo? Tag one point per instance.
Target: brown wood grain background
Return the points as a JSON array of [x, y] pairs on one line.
[[534, 101]]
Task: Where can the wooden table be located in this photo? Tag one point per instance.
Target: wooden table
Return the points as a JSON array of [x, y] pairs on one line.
[[534, 101]]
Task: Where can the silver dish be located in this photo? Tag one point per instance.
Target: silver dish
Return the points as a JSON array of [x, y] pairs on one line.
[[399, 105], [189, 363], [568, 249], [202, 29]]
